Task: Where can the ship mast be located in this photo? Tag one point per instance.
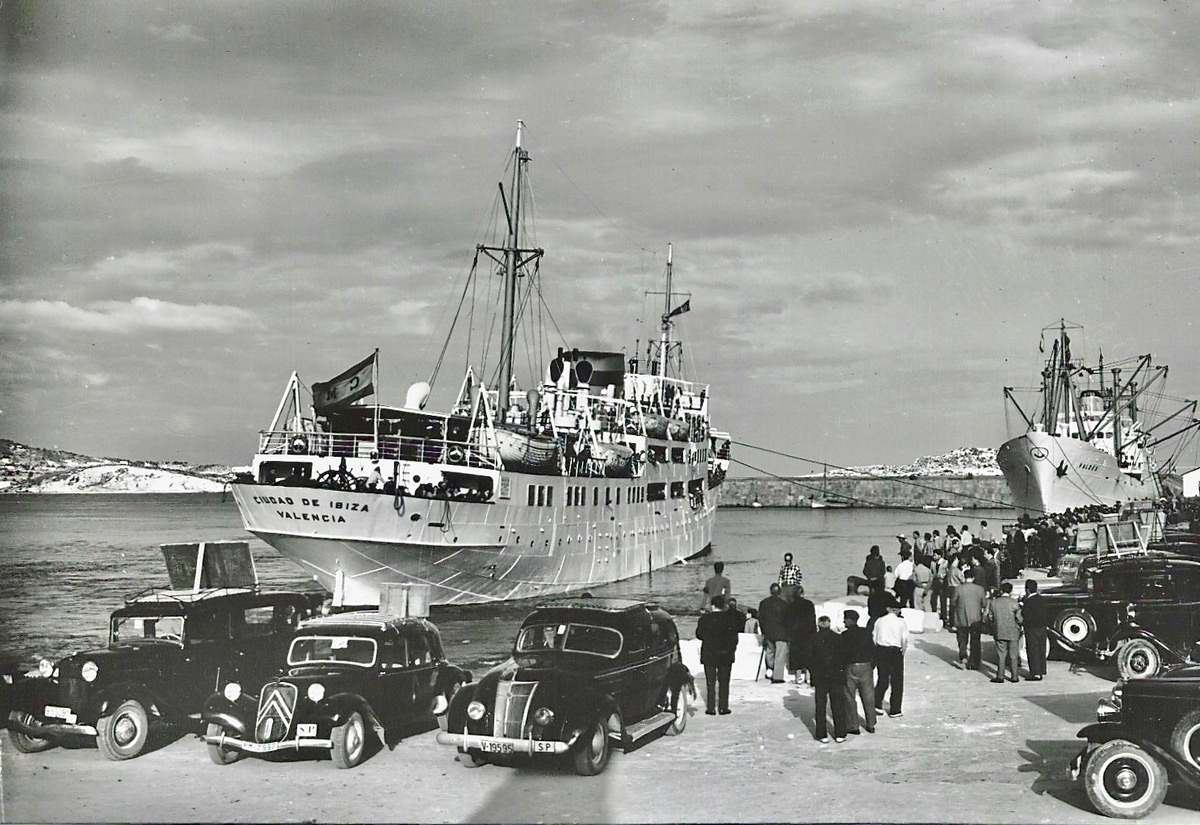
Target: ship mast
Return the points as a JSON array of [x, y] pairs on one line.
[[664, 346]]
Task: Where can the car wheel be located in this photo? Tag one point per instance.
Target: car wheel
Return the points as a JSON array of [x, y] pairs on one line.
[[349, 741], [122, 733], [682, 707], [1139, 659], [1124, 781], [471, 759], [218, 754], [1185, 740], [1077, 627], [23, 741], [592, 753]]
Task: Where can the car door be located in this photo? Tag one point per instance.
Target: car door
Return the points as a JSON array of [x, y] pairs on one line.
[[261, 631], [635, 699], [391, 688], [422, 670], [209, 657]]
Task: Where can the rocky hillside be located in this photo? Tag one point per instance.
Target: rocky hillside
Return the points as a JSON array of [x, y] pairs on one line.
[[963, 462], [25, 469]]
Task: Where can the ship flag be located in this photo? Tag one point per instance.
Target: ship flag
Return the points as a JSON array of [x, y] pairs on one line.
[[686, 306], [351, 385]]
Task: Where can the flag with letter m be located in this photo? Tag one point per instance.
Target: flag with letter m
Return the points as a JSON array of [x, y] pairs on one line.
[[353, 384]]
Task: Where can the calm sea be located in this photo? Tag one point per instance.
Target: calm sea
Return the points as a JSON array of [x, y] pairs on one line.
[[66, 561]]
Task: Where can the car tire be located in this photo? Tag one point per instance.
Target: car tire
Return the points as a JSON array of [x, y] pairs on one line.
[[1139, 659], [471, 759], [1185, 740], [682, 709], [218, 754], [23, 741], [122, 734], [1076, 626], [1123, 781], [591, 756], [349, 741]]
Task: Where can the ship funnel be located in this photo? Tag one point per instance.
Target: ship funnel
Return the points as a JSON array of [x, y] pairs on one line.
[[418, 395]]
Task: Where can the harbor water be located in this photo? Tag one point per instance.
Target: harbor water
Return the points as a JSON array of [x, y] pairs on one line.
[[66, 561]]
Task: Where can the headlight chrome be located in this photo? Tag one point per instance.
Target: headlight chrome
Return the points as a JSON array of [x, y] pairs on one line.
[[45, 668], [316, 692], [89, 671], [543, 717], [476, 710], [233, 691]]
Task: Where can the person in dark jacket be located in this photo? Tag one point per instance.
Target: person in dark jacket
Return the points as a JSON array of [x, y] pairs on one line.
[[827, 670], [874, 567], [1034, 615], [803, 627], [774, 628], [858, 656], [718, 637], [877, 603]]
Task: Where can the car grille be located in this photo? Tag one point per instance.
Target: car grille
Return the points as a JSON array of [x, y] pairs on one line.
[[513, 700], [275, 711]]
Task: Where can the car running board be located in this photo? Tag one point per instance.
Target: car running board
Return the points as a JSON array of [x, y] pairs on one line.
[[640, 729]]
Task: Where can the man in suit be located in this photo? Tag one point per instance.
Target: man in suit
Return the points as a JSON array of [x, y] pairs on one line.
[[1034, 618], [858, 654], [828, 674], [966, 608], [718, 637], [1007, 616], [776, 639], [802, 623]]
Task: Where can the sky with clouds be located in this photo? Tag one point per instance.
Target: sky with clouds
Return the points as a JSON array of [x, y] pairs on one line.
[[875, 205]]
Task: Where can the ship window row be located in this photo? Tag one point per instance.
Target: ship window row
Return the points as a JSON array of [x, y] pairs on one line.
[[541, 495]]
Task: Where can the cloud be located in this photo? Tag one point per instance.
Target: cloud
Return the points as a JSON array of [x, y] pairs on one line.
[[124, 318]]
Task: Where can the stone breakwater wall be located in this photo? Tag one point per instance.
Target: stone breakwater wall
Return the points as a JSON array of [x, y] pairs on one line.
[[968, 492]]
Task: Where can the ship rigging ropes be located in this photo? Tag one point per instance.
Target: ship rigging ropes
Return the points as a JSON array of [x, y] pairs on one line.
[[816, 488]]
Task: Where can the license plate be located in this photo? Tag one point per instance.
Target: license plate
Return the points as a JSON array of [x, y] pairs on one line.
[[306, 730], [543, 747], [496, 747], [65, 714]]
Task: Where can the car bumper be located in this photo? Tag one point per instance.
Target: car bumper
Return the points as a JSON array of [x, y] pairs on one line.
[[47, 730], [500, 744], [225, 741]]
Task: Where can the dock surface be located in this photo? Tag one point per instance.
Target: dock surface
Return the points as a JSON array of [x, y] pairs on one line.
[[965, 750]]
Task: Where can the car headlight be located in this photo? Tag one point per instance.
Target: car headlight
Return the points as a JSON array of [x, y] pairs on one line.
[[1117, 691], [89, 671], [316, 692], [45, 668], [233, 691], [543, 717], [476, 710]]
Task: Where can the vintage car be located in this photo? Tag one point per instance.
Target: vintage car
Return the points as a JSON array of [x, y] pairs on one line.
[[1143, 609], [1147, 736], [584, 673], [167, 651], [346, 675]]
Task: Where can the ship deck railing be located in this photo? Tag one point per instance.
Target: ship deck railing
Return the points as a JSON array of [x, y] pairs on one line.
[[365, 445]]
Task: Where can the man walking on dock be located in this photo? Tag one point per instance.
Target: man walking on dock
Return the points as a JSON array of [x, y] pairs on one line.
[[1007, 615], [966, 607], [827, 671], [1034, 618], [858, 653], [718, 637], [890, 636], [772, 621]]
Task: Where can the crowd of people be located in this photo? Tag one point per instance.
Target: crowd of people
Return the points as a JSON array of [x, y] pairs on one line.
[[962, 576]]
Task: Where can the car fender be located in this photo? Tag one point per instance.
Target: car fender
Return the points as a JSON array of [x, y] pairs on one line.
[[337, 709], [1101, 732], [1127, 633], [233, 716], [108, 697], [448, 677], [587, 708]]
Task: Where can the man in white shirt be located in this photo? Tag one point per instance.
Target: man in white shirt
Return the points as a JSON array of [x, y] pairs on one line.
[[966, 537], [904, 582], [890, 636]]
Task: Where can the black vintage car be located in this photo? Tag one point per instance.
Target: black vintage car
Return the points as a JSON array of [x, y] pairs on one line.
[[1144, 609], [583, 673], [1147, 736], [346, 675], [167, 651]]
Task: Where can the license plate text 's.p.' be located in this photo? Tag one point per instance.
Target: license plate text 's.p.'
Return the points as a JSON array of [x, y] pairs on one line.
[[496, 747]]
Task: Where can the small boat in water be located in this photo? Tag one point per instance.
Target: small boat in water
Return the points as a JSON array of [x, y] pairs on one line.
[[1092, 441]]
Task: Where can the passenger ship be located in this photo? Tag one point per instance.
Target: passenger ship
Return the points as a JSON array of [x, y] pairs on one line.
[[607, 469], [1092, 442]]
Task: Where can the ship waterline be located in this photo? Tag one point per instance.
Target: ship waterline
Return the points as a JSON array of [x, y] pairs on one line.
[[467, 552]]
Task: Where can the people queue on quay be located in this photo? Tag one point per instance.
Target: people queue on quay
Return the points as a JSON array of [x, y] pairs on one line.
[[960, 576]]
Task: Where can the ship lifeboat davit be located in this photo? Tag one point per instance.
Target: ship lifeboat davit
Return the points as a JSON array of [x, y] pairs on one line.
[[527, 453], [617, 460]]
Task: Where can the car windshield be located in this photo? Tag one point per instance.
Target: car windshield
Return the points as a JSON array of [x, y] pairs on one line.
[[345, 650], [572, 638], [136, 629]]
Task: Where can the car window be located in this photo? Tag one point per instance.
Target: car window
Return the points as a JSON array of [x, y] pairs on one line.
[[347, 650], [586, 638], [207, 625], [539, 637], [257, 622], [418, 649], [131, 629], [394, 653]]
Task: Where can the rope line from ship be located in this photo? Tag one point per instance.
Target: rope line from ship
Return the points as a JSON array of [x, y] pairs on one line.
[[814, 488]]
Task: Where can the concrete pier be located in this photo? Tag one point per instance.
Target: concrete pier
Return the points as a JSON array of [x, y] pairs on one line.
[[965, 750]]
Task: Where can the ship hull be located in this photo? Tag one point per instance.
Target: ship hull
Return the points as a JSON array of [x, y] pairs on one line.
[[476, 552], [1051, 474]]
